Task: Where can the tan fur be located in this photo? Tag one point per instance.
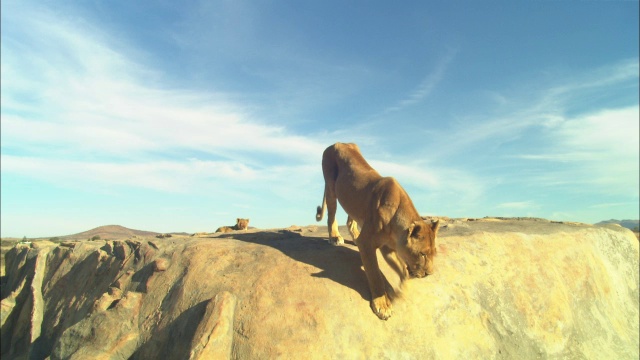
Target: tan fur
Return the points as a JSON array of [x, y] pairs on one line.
[[387, 218], [241, 224]]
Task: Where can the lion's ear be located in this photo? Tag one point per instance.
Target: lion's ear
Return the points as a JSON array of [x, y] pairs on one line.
[[412, 227], [435, 225], [414, 230]]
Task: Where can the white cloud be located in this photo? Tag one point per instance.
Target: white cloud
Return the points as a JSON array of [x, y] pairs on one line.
[[79, 113], [222, 180], [90, 98], [602, 148], [545, 107], [81, 108], [610, 134], [159, 175], [416, 175], [435, 189]]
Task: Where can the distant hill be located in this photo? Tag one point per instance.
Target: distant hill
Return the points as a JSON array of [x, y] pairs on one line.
[[109, 232], [629, 224]]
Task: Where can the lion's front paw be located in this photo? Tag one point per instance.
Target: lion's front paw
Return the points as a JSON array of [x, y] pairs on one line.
[[338, 240], [381, 306]]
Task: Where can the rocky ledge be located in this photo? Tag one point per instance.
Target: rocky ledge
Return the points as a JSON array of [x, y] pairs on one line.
[[503, 288]]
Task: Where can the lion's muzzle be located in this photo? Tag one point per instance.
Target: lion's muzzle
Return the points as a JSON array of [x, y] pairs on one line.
[[418, 273]]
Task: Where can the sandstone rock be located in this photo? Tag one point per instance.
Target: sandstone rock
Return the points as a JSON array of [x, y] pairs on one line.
[[105, 335], [214, 336], [160, 264], [146, 253], [42, 244], [107, 299], [295, 228], [502, 289], [121, 250], [108, 248], [23, 308]]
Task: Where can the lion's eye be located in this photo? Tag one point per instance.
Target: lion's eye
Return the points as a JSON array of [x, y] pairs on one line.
[[423, 255]]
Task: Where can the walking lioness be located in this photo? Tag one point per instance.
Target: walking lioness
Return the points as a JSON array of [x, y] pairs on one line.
[[387, 218]]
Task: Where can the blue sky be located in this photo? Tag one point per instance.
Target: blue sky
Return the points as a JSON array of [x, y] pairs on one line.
[[182, 116]]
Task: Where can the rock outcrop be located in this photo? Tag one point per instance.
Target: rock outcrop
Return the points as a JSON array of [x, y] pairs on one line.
[[502, 289]]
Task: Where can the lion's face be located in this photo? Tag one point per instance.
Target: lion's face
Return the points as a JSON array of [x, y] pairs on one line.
[[242, 224], [421, 248]]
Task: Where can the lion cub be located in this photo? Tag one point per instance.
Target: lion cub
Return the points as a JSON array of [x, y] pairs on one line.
[[387, 218], [241, 224]]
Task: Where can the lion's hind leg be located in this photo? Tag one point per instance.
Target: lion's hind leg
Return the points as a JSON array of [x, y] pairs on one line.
[[353, 229], [332, 206]]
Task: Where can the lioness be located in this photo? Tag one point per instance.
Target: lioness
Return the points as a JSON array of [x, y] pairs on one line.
[[387, 218], [241, 224]]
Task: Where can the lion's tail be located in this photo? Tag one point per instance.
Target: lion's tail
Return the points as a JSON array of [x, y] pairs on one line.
[[321, 209]]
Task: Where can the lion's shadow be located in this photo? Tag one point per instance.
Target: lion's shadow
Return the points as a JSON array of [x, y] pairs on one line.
[[341, 264]]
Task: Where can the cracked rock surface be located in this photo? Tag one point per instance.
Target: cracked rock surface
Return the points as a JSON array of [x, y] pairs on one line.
[[503, 288]]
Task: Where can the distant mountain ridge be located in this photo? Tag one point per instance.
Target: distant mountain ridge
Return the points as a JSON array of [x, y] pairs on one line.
[[629, 224], [109, 232]]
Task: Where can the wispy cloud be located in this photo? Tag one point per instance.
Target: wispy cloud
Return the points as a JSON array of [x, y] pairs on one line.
[[157, 175], [84, 109], [71, 101], [427, 85], [601, 147], [221, 180], [82, 113], [613, 74], [435, 189], [612, 205], [551, 139], [545, 107]]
